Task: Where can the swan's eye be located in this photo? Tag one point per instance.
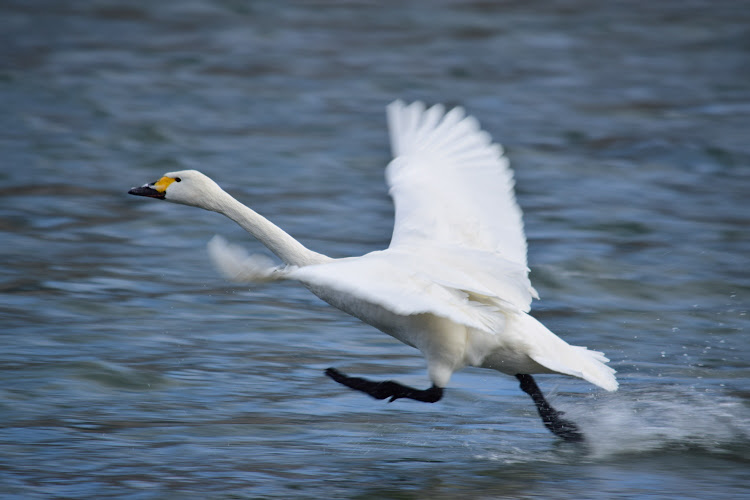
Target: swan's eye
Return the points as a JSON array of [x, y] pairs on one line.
[[177, 179]]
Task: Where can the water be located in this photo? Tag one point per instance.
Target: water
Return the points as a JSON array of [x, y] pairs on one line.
[[130, 369]]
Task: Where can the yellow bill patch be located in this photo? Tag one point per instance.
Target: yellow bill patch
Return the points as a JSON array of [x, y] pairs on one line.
[[162, 184]]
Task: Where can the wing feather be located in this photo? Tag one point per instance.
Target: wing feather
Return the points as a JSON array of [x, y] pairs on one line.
[[452, 188], [235, 264], [447, 174], [406, 290]]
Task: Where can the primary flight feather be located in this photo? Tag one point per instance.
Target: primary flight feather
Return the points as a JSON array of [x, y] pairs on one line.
[[454, 280]]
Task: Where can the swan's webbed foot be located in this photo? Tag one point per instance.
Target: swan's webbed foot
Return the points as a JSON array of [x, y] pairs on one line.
[[551, 418], [387, 389]]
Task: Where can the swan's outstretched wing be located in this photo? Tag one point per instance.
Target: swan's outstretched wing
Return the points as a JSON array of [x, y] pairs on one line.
[[450, 183], [453, 189], [391, 281]]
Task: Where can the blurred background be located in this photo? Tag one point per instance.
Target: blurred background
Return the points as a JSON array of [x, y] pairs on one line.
[[130, 369]]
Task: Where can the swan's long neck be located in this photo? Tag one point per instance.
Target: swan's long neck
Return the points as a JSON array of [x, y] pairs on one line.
[[285, 247]]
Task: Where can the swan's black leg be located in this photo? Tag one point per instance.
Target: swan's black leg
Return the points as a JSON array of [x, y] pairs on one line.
[[552, 418], [387, 389]]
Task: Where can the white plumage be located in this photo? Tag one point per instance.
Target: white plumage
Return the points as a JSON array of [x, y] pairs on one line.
[[454, 281]]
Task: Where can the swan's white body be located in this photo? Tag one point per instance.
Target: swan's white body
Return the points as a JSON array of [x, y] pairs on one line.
[[454, 281]]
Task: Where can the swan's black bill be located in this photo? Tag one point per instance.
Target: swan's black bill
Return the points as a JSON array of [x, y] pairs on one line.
[[147, 191]]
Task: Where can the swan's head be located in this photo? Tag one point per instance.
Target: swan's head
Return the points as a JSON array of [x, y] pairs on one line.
[[188, 187]]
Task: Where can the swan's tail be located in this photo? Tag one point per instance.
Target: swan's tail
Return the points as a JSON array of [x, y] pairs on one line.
[[554, 353]]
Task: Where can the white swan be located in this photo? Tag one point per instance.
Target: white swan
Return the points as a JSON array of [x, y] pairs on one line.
[[454, 281]]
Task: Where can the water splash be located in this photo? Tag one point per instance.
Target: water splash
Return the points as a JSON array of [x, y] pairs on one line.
[[669, 419]]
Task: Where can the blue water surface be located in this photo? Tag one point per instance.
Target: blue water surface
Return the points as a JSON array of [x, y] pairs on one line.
[[130, 369]]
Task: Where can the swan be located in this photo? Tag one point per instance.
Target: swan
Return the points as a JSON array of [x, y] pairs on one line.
[[453, 282]]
